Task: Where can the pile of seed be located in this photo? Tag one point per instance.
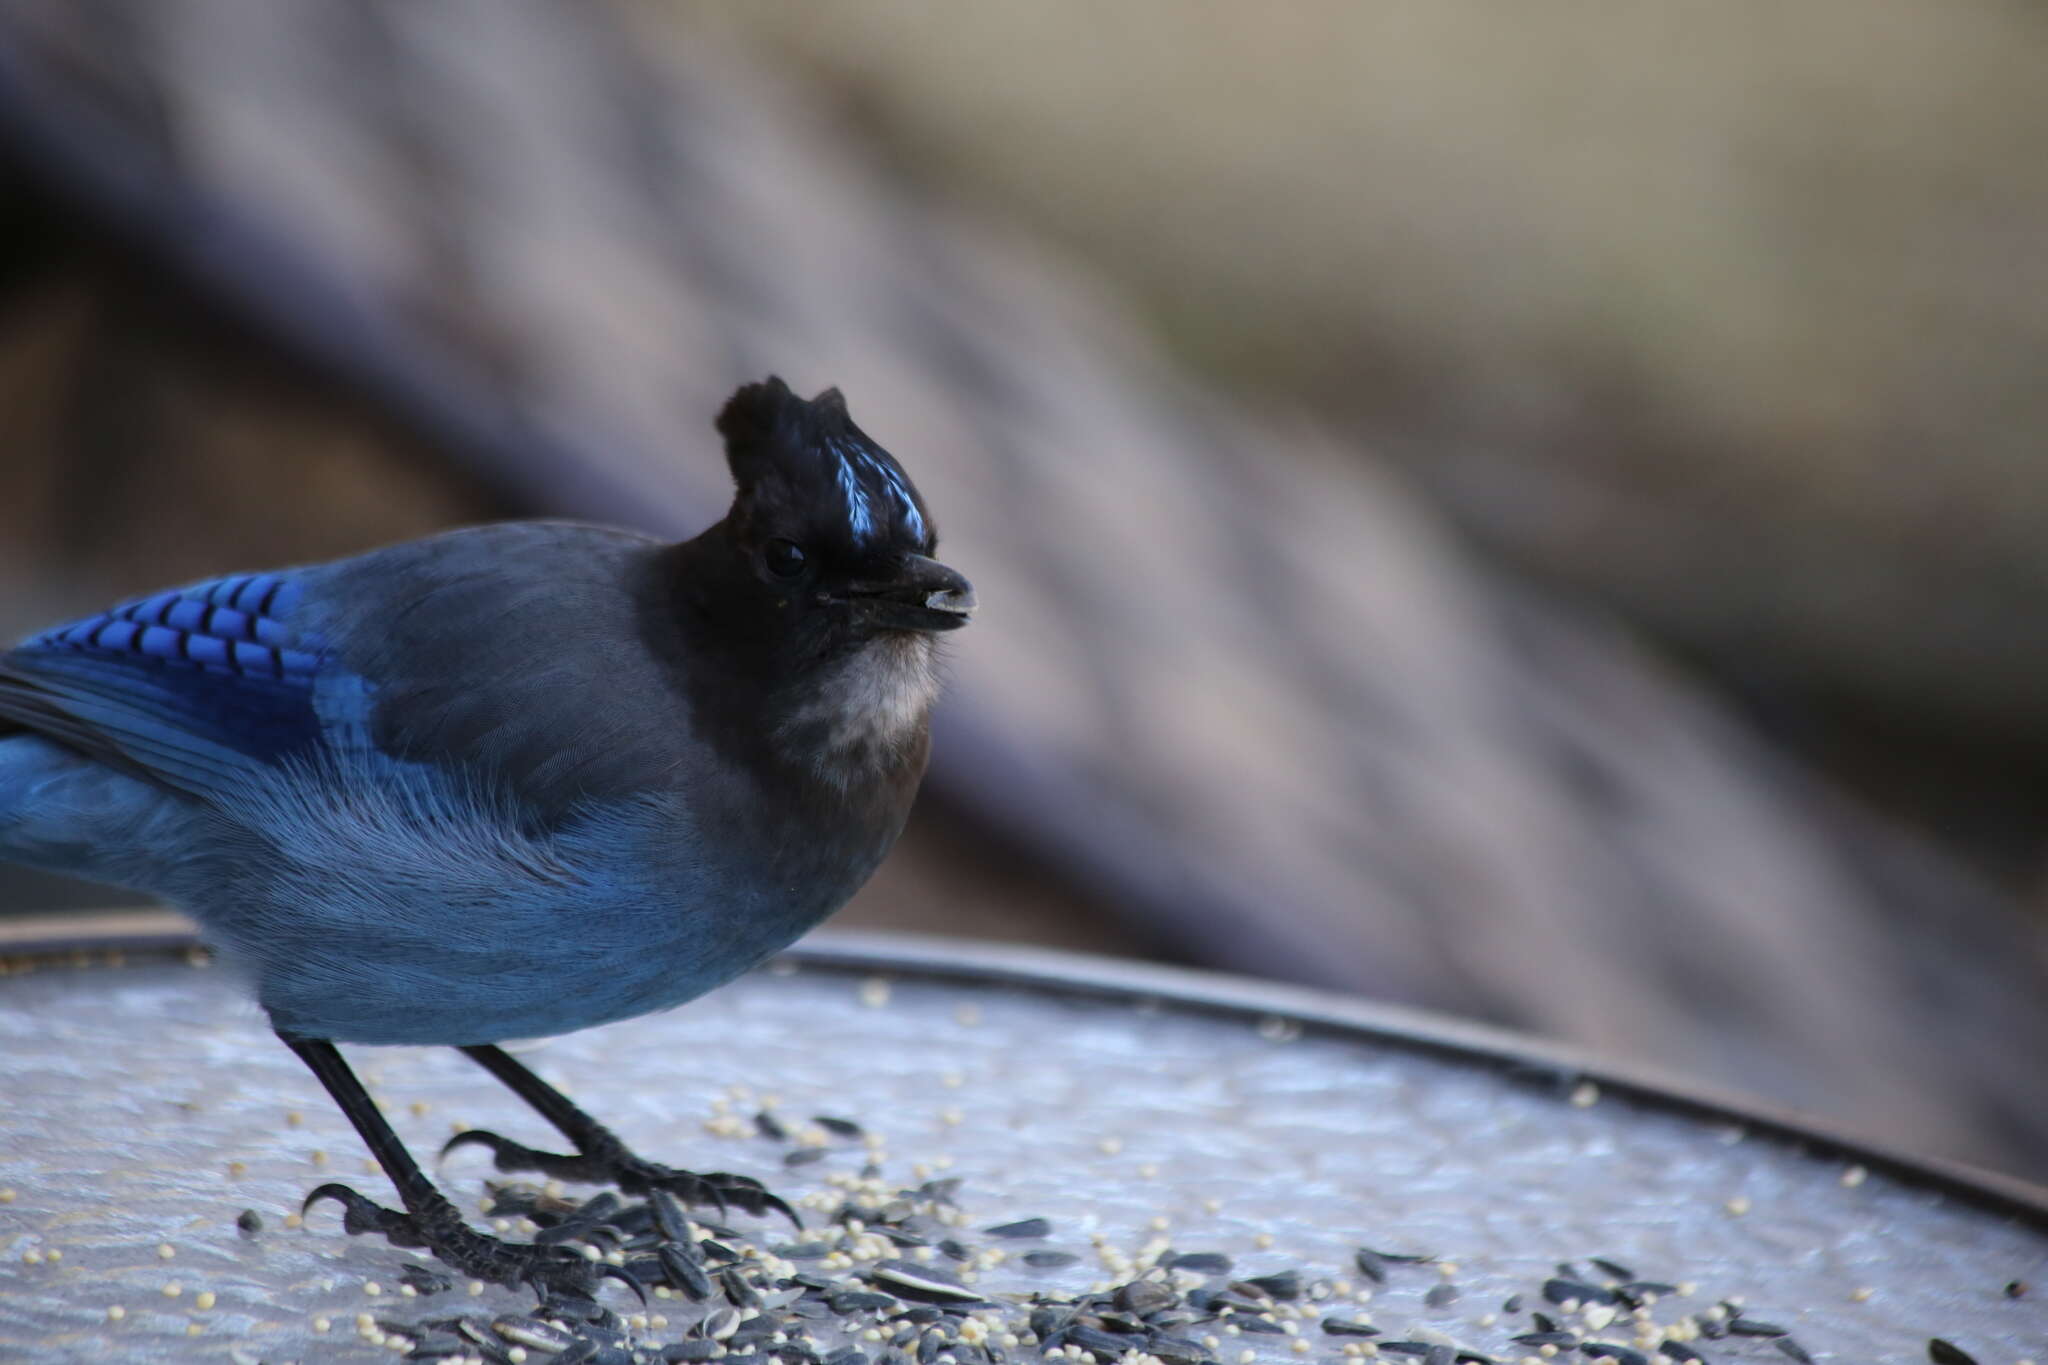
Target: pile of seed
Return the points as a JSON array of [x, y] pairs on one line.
[[892, 1276]]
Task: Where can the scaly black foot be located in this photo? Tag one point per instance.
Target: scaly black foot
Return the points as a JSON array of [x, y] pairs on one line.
[[604, 1160], [551, 1271], [430, 1221]]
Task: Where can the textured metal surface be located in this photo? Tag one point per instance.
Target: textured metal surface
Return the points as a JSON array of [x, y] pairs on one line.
[[147, 1106]]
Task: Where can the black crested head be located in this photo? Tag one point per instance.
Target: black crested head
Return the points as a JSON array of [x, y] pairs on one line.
[[805, 460]]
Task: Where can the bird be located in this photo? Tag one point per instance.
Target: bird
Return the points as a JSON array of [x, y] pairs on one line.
[[509, 781]]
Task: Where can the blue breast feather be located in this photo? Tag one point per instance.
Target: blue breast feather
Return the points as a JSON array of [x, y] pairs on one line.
[[179, 675]]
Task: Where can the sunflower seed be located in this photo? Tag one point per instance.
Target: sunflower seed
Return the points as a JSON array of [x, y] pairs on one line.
[[423, 1280], [922, 1281], [738, 1290], [1199, 1262], [1622, 1355], [1101, 1345], [684, 1271], [1285, 1285], [1177, 1350], [845, 1128], [1145, 1296], [1752, 1327], [1561, 1290], [1025, 1227], [541, 1336], [1345, 1327], [1049, 1260], [1948, 1353]]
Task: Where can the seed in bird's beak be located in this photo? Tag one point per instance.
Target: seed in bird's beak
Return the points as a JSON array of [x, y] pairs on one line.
[[960, 600]]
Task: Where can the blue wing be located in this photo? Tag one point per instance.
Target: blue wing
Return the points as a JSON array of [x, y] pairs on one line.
[[183, 687]]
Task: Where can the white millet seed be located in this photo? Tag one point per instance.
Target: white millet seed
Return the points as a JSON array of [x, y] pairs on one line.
[[1854, 1176], [204, 1301], [1585, 1095], [1739, 1205], [115, 1312]]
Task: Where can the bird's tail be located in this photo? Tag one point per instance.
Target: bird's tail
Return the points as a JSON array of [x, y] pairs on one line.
[[63, 812]]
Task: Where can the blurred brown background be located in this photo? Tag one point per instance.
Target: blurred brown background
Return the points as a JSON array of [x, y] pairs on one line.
[[1730, 318], [1532, 514]]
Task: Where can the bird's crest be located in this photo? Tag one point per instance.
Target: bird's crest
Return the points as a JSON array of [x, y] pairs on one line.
[[778, 443]]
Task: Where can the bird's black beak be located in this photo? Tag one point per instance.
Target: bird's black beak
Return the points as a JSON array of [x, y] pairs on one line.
[[919, 594]]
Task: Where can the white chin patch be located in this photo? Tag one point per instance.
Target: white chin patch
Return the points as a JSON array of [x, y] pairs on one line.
[[871, 703]]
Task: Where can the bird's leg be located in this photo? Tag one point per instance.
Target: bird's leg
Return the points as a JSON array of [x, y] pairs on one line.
[[600, 1156], [429, 1220]]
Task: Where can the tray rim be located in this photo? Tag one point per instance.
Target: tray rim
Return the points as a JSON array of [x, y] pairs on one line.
[[1516, 1057]]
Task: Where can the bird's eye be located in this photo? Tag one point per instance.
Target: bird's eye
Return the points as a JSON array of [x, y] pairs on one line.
[[785, 558]]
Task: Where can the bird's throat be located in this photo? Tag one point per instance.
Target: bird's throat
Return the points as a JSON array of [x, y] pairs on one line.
[[865, 716]]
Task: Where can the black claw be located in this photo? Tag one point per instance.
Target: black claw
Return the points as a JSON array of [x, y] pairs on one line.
[[508, 1155], [340, 1194], [474, 1137], [362, 1214], [607, 1271], [547, 1270]]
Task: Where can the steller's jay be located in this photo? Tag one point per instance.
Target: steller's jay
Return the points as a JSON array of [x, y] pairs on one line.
[[508, 781]]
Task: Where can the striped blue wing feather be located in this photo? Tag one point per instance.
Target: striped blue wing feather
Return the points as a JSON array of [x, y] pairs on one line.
[[184, 686]]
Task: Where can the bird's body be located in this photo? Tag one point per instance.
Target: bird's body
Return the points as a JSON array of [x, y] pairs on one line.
[[486, 815], [514, 780]]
